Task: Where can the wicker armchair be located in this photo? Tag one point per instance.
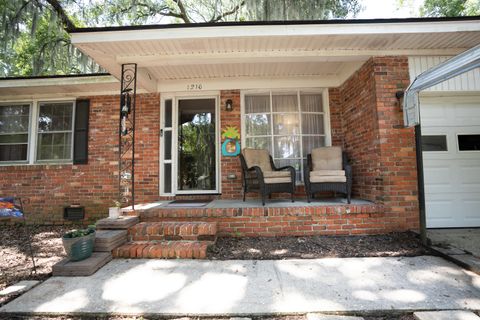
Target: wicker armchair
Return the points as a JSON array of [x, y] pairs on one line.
[[259, 174], [328, 170]]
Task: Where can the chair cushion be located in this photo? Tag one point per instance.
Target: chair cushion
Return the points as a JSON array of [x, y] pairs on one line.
[[278, 180], [327, 158], [277, 174], [327, 173], [257, 157], [317, 179]]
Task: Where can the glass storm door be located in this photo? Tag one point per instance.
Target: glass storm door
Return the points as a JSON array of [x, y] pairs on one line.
[[188, 144], [196, 146]]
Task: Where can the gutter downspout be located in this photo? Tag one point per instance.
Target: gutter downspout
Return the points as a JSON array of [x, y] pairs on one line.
[[453, 67]]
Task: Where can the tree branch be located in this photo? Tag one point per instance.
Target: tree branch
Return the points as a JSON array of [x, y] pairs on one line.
[[183, 12], [62, 14], [227, 13]]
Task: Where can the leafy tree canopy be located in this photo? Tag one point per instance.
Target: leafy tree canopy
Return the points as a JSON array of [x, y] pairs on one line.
[[450, 8], [34, 40]]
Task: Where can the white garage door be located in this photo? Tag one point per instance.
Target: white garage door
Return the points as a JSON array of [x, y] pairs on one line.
[[451, 152]]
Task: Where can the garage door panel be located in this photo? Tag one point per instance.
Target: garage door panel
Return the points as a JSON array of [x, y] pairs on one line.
[[466, 114], [440, 211], [433, 116], [452, 177]]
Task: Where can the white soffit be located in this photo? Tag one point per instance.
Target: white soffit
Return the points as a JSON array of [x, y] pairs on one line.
[[32, 88], [245, 51]]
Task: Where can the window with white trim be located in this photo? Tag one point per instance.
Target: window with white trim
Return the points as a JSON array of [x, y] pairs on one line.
[[36, 132], [55, 131], [14, 129], [289, 124]]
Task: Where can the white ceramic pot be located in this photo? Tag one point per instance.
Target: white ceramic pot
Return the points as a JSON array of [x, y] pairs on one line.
[[114, 212]]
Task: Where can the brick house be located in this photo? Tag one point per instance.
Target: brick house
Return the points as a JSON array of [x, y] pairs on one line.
[[293, 86]]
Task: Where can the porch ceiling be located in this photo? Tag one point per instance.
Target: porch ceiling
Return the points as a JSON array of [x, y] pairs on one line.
[[237, 52]]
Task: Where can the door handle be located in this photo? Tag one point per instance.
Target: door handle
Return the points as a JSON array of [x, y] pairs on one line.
[[161, 133]]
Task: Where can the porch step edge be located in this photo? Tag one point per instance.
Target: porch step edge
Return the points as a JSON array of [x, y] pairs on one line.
[[163, 250]]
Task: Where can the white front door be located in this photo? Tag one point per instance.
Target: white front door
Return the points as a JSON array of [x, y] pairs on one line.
[[451, 152], [189, 146]]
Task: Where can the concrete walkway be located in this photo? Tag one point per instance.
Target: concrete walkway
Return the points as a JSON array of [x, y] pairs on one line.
[[464, 239], [183, 287]]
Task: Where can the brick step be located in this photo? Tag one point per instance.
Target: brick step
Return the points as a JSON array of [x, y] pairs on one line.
[[163, 249], [173, 230]]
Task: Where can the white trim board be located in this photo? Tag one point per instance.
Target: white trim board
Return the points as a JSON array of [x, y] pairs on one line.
[[275, 30]]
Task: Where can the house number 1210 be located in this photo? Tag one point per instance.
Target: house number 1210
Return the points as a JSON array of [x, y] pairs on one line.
[[194, 86]]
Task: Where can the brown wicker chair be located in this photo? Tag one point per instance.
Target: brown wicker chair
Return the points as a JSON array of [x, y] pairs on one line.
[[328, 170], [260, 175]]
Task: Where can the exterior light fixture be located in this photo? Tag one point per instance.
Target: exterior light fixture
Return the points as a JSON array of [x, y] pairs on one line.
[[399, 95], [229, 105]]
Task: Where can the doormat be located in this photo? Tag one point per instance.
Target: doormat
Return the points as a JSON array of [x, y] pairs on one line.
[[189, 203]]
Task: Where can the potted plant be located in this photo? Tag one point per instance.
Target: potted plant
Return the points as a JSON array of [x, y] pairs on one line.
[[114, 212], [79, 244]]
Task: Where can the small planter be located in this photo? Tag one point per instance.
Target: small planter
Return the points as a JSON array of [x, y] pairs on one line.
[[79, 247], [114, 212]]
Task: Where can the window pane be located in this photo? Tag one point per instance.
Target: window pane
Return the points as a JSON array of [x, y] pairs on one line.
[[434, 143], [286, 123], [13, 152], [311, 102], [14, 138], [469, 142], [258, 124], [168, 144], [259, 143], [258, 103], [14, 118], [312, 124], [54, 146], [168, 113], [167, 177], [55, 117], [284, 102], [287, 147], [312, 142]]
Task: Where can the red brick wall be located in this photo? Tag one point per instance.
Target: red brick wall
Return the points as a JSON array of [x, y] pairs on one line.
[[381, 151], [49, 188], [147, 148], [397, 145], [360, 132], [231, 188], [365, 120]]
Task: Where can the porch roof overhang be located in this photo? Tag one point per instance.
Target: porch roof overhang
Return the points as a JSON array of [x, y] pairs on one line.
[[67, 86], [251, 55]]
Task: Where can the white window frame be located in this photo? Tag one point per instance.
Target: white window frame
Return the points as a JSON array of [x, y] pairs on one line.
[[33, 132], [326, 114], [29, 133], [37, 133]]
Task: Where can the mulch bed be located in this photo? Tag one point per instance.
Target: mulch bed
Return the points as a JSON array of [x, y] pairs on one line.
[[389, 245], [15, 261]]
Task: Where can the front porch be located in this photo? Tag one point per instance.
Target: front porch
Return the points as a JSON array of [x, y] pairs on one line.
[[277, 218]]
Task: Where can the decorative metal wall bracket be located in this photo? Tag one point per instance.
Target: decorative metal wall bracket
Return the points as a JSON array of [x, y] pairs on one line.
[[126, 134]]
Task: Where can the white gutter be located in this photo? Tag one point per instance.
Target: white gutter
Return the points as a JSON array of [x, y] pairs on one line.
[[275, 31], [451, 68]]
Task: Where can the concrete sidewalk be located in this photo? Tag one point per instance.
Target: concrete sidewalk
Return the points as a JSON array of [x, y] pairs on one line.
[[183, 287]]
